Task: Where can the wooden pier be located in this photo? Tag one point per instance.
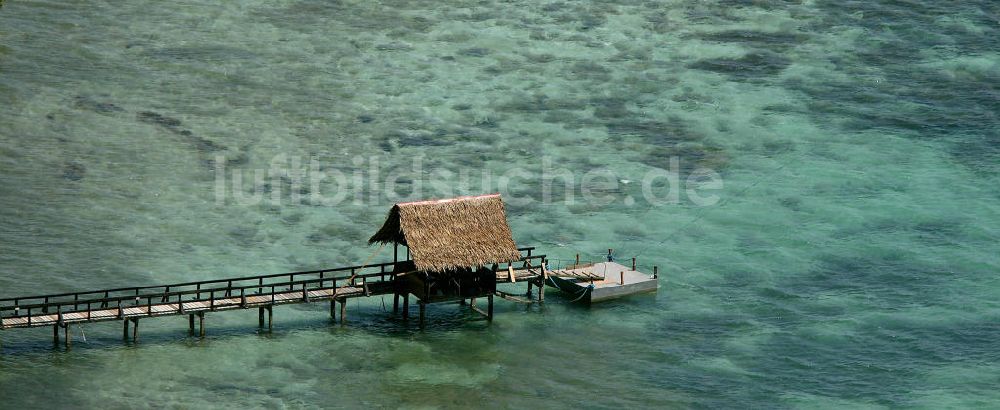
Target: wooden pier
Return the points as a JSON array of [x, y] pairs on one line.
[[263, 292]]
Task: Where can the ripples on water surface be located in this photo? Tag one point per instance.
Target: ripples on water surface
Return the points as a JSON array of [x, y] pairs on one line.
[[853, 263]]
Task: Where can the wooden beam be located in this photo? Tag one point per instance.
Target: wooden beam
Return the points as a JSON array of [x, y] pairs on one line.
[[513, 298]]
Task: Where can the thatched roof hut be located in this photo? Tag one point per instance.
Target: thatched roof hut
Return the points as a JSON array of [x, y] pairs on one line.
[[450, 234]]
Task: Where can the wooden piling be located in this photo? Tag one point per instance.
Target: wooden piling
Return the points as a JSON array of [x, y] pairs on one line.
[[489, 309], [125, 329], [69, 340], [406, 306], [343, 310], [270, 318], [395, 303], [541, 284], [135, 330], [260, 317], [55, 334], [201, 324], [423, 312], [191, 324]]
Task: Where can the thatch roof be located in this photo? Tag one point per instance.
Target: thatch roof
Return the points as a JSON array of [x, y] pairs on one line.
[[449, 234]]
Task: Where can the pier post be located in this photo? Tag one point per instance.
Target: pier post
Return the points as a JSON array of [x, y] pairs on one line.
[[135, 330], [270, 318], [406, 306], [423, 312], [125, 329], [343, 310], [260, 317], [55, 334], [201, 324], [489, 309], [69, 340], [191, 324], [541, 284], [333, 309], [395, 303]]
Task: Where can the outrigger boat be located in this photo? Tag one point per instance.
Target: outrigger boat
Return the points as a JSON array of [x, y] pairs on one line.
[[601, 281]]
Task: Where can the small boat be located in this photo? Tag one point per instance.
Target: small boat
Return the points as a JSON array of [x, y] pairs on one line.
[[601, 281]]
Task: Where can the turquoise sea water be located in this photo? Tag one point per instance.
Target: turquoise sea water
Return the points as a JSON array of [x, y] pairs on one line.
[[851, 262]]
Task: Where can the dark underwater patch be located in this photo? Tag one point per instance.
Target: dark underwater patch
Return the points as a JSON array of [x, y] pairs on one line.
[[90, 104], [774, 41], [752, 66], [691, 156], [74, 171], [173, 125], [150, 117]]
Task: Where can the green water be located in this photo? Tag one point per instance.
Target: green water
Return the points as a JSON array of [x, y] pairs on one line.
[[851, 262]]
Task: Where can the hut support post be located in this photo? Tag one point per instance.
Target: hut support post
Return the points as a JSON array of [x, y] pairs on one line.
[[135, 330], [423, 313], [395, 303], [191, 324], [201, 324], [489, 309], [260, 317], [406, 306], [55, 334], [125, 329], [69, 340], [270, 318]]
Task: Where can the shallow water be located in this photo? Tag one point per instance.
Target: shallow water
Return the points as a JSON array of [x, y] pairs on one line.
[[851, 261]]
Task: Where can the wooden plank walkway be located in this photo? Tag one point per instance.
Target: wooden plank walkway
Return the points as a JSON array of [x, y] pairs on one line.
[[165, 309], [196, 298]]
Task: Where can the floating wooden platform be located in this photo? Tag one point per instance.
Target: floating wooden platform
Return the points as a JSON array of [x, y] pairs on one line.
[[601, 281]]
